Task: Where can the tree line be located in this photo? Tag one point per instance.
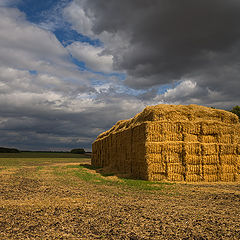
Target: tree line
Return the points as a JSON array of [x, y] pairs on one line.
[[14, 150]]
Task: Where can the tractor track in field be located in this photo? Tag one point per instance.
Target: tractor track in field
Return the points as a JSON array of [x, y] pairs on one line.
[[39, 205]]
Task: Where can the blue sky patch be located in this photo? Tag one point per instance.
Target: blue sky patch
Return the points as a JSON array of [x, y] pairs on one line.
[[47, 14], [67, 36], [163, 88], [34, 8], [33, 72], [81, 65]]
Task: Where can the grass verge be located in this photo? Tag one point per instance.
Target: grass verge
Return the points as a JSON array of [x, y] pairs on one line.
[[83, 173]]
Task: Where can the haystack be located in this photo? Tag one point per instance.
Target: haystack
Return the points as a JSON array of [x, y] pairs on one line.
[[173, 142]]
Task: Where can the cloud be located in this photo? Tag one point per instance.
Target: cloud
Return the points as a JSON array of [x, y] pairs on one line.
[[92, 56], [26, 46], [183, 90], [75, 14], [7, 3]]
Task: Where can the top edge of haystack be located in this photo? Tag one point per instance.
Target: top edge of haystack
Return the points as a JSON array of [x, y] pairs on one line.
[[174, 113], [165, 112]]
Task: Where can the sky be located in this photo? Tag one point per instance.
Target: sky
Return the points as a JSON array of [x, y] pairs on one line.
[[70, 69]]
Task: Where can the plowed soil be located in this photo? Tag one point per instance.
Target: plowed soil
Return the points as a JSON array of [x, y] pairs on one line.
[[54, 201]]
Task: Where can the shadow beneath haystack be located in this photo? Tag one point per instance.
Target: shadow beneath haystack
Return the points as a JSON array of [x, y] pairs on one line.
[[88, 166], [104, 172]]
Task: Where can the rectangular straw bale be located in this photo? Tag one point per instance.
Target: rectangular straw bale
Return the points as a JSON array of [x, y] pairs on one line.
[[194, 169], [238, 148], [235, 139], [229, 159], [191, 127], [193, 177], [171, 127], [173, 147], [156, 177], [192, 148], [154, 158], [210, 128], [154, 127], [113, 142], [135, 170], [238, 163], [143, 172], [208, 138], [228, 149], [236, 128], [175, 168], [237, 177], [225, 129], [228, 177], [210, 159], [138, 133], [157, 168], [173, 157], [210, 169], [211, 178], [164, 147], [228, 168], [155, 137], [175, 177], [226, 138], [210, 148], [93, 159], [190, 137], [154, 147], [158, 137], [175, 137], [140, 152], [192, 159]]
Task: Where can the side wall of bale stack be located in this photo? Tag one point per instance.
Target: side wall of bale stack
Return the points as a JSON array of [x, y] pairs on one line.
[[122, 151]]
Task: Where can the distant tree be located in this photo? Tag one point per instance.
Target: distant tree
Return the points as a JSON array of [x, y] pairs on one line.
[[9, 150], [78, 151], [236, 110]]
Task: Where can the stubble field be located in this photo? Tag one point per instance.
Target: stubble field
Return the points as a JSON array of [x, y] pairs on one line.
[[62, 197]]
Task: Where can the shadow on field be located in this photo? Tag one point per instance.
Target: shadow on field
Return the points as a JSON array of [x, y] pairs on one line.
[[99, 170]]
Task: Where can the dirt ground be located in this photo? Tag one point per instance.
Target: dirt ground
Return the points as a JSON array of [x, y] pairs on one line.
[[49, 202]]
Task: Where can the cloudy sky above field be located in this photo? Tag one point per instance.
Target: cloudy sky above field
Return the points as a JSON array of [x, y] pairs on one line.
[[69, 69]]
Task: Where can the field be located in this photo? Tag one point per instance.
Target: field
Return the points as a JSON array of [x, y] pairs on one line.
[[60, 196]]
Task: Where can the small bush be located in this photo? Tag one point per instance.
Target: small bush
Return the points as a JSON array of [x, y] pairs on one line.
[[9, 150], [78, 151], [236, 110]]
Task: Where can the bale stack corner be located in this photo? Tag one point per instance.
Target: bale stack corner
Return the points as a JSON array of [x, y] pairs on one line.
[[173, 142]]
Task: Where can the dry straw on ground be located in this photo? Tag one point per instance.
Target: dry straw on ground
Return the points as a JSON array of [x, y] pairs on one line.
[[173, 142]]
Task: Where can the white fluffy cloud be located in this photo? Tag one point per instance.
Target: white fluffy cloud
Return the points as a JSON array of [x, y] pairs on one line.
[[184, 89], [92, 56], [75, 14], [26, 46]]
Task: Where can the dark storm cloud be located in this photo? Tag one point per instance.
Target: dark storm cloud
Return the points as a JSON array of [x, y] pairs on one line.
[[171, 40]]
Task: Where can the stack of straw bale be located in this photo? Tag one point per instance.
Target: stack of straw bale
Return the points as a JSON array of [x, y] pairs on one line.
[[173, 142]]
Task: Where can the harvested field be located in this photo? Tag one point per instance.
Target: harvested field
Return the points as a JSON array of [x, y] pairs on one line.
[[68, 199]]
